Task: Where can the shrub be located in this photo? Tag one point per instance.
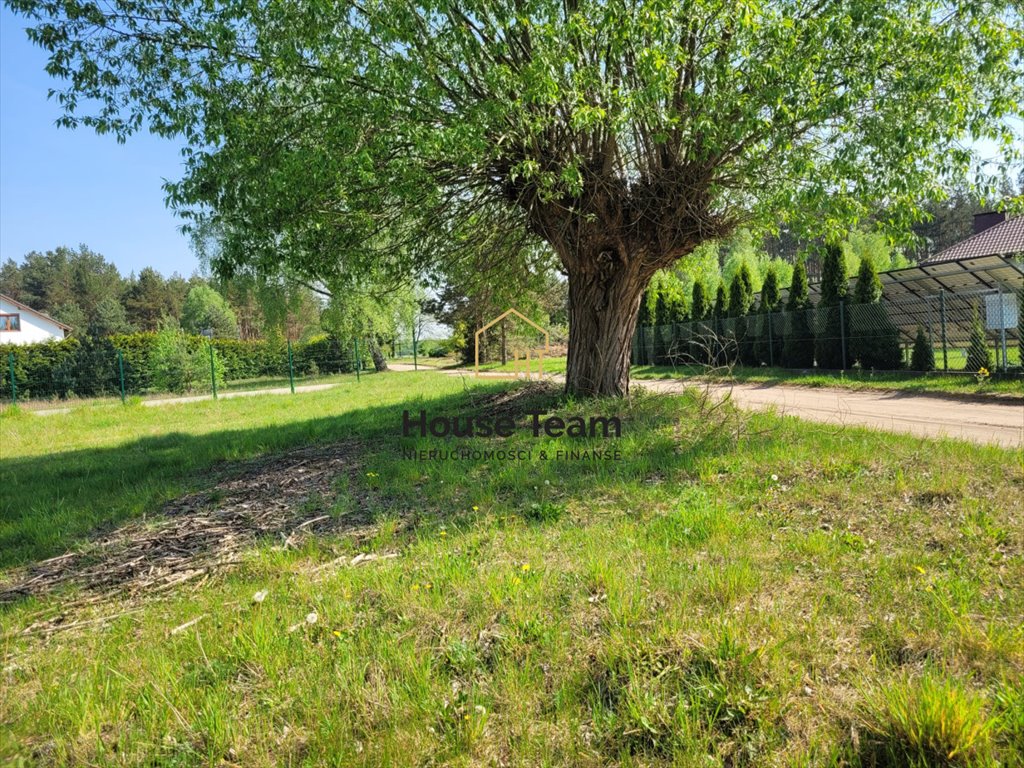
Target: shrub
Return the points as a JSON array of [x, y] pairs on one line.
[[768, 339], [923, 356], [178, 364], [978, 354], [797, 338], [89, 366], [40, 370], [832, 319]]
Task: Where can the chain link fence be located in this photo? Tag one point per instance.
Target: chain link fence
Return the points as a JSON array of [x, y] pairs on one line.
[[958, 333], [170, 365]]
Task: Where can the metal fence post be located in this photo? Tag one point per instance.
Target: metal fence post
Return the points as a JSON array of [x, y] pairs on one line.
[[942, 325], [355, 343], [415, 366], [291, 368], [14, 385], [1002, 328], [842, 330], [771, 344], [120, 369], [213, 374]]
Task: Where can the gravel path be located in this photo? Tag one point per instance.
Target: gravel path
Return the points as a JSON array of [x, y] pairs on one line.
[[987, 422]]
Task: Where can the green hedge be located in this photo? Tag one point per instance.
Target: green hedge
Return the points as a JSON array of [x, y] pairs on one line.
[[89, 367]]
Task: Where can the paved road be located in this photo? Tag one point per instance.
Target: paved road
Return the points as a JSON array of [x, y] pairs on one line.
[[987, 422]]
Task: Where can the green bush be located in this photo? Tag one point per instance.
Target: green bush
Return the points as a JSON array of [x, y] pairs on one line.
[[797, 338], [978, 354], [90, 367], [923, 356], [178, 364], [832, 316]]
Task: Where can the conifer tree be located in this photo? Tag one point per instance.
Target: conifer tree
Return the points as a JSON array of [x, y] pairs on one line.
[[661, 328], [699, 308], [873, 339], [923, 357], [768, 344], [832, 324], [978, 354], [798, 341]]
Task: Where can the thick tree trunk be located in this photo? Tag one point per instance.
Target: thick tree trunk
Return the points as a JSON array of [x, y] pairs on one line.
[[380, 363], [604, 298]]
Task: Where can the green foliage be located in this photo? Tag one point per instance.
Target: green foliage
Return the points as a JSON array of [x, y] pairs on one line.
[[770, 294], [149, 299], [40, 370], [923, 356], [700, 307], [1020, 325], [740, 296], [206, 310], [832, 323], [799, 289], [88, 366], [109, 318], [664, 123], [873, 339], [72, 285], [868, 288], [721, 302], [768, 326], [876, 247], [978, 353], [180, 363], [834, 277], [798, 339]]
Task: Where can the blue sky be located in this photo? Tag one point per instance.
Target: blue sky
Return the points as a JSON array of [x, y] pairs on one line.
[[65, 187]]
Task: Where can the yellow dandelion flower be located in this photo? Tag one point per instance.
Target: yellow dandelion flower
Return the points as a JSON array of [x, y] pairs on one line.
[[444, 533], [919, 569], [336, 633], [525, 567], [415, 587], [476, 508]]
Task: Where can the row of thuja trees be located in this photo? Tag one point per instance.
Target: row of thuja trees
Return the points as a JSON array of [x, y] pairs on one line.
[[844, 329]]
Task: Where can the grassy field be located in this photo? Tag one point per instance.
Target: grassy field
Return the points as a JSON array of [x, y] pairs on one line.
[[853, 379], [733, 590]]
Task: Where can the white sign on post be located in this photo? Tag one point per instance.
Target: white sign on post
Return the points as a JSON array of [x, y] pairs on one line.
[[1000, 311]]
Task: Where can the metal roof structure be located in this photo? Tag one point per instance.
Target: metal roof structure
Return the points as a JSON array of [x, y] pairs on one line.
[[914, 296], [1003, 239]]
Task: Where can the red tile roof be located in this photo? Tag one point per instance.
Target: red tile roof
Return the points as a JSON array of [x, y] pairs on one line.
[[1003, 239]]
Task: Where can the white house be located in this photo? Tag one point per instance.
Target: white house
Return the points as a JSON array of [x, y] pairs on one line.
[[20, 324]]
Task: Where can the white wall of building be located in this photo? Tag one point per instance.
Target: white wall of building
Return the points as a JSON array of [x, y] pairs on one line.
[[34, 328]]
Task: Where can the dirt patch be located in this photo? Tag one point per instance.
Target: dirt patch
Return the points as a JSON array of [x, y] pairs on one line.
[[281, 497]]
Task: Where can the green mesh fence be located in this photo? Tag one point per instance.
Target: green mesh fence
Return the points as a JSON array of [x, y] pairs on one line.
[[159, 365], [964, 333]]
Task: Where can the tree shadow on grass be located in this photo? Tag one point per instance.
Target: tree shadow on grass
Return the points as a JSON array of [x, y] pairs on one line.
[[213, 499]]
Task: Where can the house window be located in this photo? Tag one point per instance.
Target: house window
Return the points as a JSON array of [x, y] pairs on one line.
[[10, 322]]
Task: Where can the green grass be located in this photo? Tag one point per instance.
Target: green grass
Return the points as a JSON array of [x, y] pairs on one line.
[[853, 379], [736, 590]]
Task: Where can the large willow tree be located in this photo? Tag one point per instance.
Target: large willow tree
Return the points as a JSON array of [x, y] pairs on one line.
[[359, 135]]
